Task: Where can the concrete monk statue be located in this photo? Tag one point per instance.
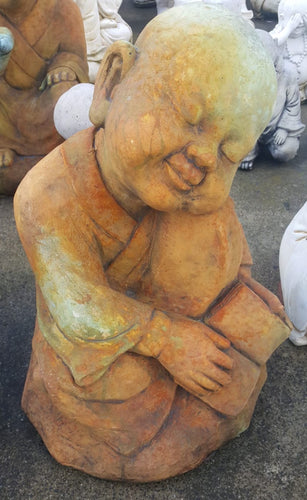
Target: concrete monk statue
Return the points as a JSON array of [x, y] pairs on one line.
[[291, 34], [49, 56], [281, 137], [151, 338]]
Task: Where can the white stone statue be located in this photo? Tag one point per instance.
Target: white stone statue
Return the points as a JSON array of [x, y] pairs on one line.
[[291, 34], [282, 135], [103, 26], [264, 7], [293, 275]]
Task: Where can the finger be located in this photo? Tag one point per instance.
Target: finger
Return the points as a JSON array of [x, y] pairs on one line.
[[70, 76], [221, 359], [217, 374], [198, 388], [6, 161], [218, 340], [203, 382], [56, 77]]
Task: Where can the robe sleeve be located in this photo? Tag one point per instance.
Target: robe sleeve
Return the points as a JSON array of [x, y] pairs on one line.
[[88, 323]]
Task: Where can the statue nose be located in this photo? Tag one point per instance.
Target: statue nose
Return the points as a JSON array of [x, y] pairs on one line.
[[203, 157]]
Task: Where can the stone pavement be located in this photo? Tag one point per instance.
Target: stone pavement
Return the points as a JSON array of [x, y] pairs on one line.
[[267, 462]]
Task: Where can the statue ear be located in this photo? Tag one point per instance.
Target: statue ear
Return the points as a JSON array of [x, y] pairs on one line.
[[117, 61]]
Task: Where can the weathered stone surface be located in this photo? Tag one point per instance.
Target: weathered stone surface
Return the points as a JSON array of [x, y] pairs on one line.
[[266, 201]]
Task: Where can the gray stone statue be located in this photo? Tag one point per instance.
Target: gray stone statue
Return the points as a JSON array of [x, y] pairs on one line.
[[291, 34], [6, 47], [281, 138]]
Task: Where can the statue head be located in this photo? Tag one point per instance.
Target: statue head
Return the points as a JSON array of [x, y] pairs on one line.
[[182, 108], [287, 9]]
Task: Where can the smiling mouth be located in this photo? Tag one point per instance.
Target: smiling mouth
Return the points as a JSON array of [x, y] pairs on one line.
[[183, 174]]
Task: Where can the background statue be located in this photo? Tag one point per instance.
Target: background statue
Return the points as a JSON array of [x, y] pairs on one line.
[[48, 57], [264, 6], [281, 137], [151, 338], [293, 275], [291, 34], [102, 25]]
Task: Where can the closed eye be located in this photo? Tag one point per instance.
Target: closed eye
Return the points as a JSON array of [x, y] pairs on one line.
[[222, 154]]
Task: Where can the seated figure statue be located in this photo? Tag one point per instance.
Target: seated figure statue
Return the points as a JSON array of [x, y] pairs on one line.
[[45, 62], [281, 137], [102, 25], [291, 34], [293, 275], [151, 337]]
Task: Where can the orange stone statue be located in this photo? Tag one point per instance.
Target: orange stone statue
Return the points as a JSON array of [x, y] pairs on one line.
[[49, 56], [151, 337]]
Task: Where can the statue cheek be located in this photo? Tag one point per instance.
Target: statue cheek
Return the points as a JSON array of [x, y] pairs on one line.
[[151, 139], [126, 141]]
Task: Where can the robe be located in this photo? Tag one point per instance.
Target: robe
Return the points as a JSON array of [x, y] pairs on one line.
[[106, 280]]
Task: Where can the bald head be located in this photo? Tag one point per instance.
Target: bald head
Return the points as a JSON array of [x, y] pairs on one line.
[[196, 45]]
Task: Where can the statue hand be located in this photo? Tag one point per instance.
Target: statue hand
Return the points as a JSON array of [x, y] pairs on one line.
[[280, 136], [7, 157], [192, 354], [58, 75]]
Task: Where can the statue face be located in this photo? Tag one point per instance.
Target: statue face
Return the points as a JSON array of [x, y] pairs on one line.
[[187, 113], [175, 152]]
